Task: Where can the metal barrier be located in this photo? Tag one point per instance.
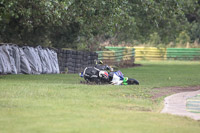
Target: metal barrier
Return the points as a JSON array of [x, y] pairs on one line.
[[131, 54], [183, 53], [150, 53], [118, 56]]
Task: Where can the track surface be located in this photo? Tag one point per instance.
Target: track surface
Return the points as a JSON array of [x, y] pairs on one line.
[[176, 104]]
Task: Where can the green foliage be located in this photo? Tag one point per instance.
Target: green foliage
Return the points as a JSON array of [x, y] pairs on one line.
[[183, 38], [68, 23], [194, 31], [154, 39], [29, 21]]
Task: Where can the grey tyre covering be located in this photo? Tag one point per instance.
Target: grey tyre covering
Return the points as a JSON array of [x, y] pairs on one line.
[[47, 60], [55, 60], [27, 60], [8, 61], [12, 60], [38, 60], [43, 58], [33, 59], [16, 56], [3, 62], [51, 59], [24, 63]]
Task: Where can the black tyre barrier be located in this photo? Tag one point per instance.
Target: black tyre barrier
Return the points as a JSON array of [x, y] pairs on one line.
[[70, 60], [68, 52], [79, 56], [78, 65], [70, 67], [78, 60], [68, 55], [71, 71], [74, 52], [73, 56], [72, 64], [75, 61]]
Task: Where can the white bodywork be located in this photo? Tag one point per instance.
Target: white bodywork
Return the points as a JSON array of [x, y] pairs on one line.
[[116, 80]]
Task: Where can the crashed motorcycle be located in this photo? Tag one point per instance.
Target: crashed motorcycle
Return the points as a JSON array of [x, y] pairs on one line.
[[98, 76]]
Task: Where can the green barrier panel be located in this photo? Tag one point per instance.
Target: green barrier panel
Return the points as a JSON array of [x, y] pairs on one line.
[[123, 53], [106, 55], [193, 104], [150, 53], [129, 53], [183, 53], [118, 52], [100, 55], [110, 55], [117, 55], [114, 48]]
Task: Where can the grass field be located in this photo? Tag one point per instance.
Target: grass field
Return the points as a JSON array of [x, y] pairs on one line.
[[59, 103]]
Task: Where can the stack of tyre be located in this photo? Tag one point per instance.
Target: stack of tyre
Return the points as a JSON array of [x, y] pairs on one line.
[[27, 60], [71, 61]]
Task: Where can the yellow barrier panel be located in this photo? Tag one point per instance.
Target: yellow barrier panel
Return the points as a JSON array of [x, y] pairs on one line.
[[128, 53], [150, 53], [108, 55]]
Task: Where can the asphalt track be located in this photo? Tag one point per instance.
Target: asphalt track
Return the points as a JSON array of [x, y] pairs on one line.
[[176, 104]]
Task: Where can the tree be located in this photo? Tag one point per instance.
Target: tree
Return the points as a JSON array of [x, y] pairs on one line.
[[78, 23], [29, 21]]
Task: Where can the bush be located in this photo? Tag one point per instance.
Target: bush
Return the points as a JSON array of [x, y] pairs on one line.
[[183, 39], [154, 39]]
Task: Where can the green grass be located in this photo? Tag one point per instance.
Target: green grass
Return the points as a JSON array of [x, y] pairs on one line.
[[58, 103]]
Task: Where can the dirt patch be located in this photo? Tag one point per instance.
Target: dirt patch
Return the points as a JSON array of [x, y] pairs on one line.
[[161, 92]]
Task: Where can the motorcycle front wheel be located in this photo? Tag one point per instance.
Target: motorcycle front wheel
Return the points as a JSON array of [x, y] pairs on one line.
[[132, 81]]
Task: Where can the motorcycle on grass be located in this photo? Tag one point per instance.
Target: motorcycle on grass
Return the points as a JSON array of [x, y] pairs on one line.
[[101, 76]]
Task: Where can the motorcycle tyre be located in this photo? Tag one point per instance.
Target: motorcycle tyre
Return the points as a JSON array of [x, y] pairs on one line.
[[132, 81]]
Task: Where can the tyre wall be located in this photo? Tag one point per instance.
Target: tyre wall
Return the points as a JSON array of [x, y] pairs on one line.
[[71, 61], [27, 60]]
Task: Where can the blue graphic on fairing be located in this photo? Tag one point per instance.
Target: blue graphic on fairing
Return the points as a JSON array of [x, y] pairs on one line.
[[120, 74], [81, 74]]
